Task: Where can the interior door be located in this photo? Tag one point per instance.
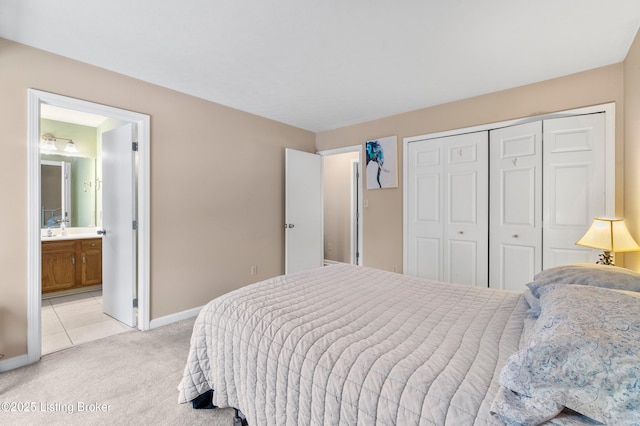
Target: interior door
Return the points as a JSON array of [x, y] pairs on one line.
[[515, 249], [303, 211], [118, 214]]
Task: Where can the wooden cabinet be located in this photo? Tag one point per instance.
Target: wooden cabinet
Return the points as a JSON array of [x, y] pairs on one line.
[[58, 265], [69, 264], [91, 255]]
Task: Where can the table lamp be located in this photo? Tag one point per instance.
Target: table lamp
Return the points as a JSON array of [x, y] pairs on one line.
[[610, 235]]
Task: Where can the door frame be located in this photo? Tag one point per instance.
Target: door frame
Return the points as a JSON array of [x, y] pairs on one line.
[[359, 204], [34, 279], [610, 153], [356, 213]]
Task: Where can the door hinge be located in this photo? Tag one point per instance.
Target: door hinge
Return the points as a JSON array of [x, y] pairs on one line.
[[134, 146], [135, 224], [135, 302]]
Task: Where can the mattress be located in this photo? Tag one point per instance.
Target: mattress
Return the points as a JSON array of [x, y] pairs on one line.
[[355, 345]]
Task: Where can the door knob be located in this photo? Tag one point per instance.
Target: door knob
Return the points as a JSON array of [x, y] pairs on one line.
[[102, 232], [290, 225]]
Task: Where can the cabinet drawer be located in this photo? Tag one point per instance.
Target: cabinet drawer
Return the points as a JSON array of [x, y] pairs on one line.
[[92, 244], [51, 246]]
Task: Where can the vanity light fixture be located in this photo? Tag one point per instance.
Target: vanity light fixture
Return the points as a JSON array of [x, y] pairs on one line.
[[49, 144], [71, 147], [610, 235]]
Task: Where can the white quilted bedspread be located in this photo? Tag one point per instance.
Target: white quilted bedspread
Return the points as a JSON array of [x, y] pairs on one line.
[[354, 346]]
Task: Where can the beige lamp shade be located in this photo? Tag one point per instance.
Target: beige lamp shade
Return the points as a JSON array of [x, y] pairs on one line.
[[609, 234]]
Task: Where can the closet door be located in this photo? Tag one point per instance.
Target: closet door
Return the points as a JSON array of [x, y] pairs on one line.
[[574, 185], [515, 248], [425, 205], [448, 209]]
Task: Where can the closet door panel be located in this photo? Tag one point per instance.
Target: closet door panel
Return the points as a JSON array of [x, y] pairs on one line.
[[428, 258], [466, 209], [462, 256], [517, 198], [425, 224], [462, 199], [447, 226], [569, 201], [574, 185], [515, 245], [428, 203], [521, 261]]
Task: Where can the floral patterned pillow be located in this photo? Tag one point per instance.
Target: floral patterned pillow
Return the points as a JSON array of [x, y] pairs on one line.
[[590, 274], [583, 354]]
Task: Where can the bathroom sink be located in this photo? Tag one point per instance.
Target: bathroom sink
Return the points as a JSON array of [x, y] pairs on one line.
[[70, 236]]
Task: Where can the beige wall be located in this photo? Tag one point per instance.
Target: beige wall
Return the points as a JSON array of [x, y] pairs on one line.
[[217, 173], [632, 147], [382, 219], [337, 206], [217, 185]]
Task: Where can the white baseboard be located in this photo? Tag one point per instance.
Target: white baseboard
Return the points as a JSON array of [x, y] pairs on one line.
[[178, 316], [12, 363]]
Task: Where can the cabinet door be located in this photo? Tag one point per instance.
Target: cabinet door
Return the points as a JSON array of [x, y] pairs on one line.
[[515, 249], [91, 262], [58, 266], [448, 207]]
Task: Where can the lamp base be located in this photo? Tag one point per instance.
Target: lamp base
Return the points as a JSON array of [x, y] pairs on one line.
[[606, 258]]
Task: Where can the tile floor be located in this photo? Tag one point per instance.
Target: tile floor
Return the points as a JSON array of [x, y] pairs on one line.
[[73, 319]]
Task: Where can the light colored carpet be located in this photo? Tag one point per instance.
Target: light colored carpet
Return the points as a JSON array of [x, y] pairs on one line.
[[129, 378]]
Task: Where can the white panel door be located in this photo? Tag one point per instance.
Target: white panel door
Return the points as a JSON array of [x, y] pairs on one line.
[[448, 209], [574, 186], [303, 211], [515, 248], [118, 214], [466, 209], [425, 224]]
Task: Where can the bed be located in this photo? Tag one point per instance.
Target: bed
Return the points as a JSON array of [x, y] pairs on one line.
[[354, 345]]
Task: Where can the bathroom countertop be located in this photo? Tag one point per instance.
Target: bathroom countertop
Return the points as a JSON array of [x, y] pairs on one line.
[[70, 234], [70, 237]]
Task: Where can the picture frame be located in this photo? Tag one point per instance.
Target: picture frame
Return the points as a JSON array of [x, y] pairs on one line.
[[382, 162]]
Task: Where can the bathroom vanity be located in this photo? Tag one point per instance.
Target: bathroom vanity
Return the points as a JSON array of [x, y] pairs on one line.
[[71, 262]]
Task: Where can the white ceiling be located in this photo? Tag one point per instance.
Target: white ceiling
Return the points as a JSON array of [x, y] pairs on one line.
[[71, 116], [325, 64]]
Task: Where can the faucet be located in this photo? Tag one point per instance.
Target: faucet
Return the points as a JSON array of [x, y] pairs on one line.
[[49, 233]]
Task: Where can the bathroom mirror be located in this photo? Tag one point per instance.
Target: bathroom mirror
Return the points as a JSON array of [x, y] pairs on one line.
[[68, 190]]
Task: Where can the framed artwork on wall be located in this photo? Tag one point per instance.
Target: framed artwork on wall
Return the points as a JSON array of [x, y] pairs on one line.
[[382, 163]]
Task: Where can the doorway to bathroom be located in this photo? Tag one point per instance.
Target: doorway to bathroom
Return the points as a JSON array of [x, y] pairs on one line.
[[88, 263], [71, 193]]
